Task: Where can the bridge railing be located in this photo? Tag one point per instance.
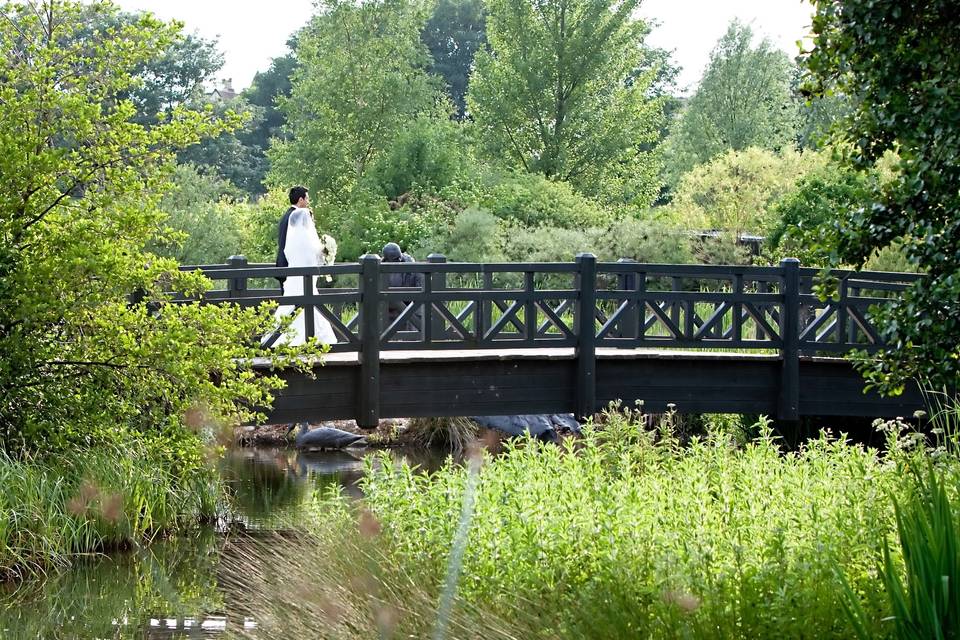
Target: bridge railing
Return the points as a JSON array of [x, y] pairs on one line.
[[503, 305], [581, 304]]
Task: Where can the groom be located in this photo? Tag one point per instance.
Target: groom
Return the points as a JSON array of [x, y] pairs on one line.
[[299, 198]]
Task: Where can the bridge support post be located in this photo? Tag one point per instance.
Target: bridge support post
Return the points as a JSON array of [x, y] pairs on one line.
[[788, 406], [630, 319], [368, 392], [433, 322], [585, 329], [237, 285]]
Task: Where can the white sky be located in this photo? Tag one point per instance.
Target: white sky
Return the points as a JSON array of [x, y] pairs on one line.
[[251, 32]]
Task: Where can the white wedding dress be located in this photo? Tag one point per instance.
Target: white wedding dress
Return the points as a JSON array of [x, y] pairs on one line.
[[304, 248]]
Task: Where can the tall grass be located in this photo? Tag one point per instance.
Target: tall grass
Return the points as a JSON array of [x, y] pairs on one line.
[[85, 501], [921, 574], [624, 533]]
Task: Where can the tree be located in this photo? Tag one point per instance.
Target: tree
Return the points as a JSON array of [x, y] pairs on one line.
[[736, 191], [744, 100], [559, 94], [227, 157], [177, 77], [268, 87], [361, 77], [173, 77], [454, 34], [898, 63], [804, 228], [80, 178], [211, 228], [428, 155]]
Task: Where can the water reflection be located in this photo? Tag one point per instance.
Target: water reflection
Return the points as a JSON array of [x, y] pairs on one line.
[[268, 486], [117, 596], [179, 587]]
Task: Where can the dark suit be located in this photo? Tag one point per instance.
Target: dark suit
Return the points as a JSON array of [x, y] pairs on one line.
[[282, 240]]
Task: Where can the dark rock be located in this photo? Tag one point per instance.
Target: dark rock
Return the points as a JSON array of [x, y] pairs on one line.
[[537, 426], [565, 421]]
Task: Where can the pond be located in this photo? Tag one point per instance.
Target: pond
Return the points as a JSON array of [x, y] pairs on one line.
[[180, 587]]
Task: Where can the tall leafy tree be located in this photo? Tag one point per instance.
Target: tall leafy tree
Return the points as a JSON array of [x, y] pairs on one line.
[[178, 76], [173, 77], [228, 158], [898, 63], [361, 77], [263, 94], [80, 178], [454, 34], [744, 100], [558, 93]]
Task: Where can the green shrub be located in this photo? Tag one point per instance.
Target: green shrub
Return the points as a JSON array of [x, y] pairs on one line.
[[545, 244], [368, 222], [632, 535], [643, 241], [533, 200], [736, 191], [427, 155], [806, 216], [474, 236]]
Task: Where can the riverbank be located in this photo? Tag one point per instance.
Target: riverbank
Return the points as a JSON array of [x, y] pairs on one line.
[[632, 530], [278, 435], [83, 501]]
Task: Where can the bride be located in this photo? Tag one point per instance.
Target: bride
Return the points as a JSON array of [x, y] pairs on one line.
[[303, 248]]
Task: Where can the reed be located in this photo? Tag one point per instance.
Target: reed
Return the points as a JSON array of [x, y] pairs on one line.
[[82, 501]]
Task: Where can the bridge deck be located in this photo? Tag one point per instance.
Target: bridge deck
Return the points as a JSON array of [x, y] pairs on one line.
[[539, 353], [499, 382]]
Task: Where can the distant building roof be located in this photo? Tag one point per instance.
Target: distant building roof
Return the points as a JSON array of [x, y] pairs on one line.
[[224, 92]]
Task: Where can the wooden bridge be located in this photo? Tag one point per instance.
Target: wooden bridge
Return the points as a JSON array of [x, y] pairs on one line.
[[519, 338]]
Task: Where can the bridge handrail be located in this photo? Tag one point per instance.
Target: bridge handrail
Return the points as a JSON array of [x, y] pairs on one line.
[[626, 305]]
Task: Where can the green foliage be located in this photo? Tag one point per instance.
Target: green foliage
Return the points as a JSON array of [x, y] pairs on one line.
[[427, 155], [927, 605], [532, 200], [172, 78], [890, 258], [626, 534], [474, 236], [807, 215], [563, 92], [638, 240], [921, 576], [899, 65], [261, 219], [737, 190], [454, 34], [744, 100], [80, 180], [225, 156], [361, 77], [368, 222], [643, 241], [545, 244], [818, 115], [268, 87], [98, 499], [210, 227]]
